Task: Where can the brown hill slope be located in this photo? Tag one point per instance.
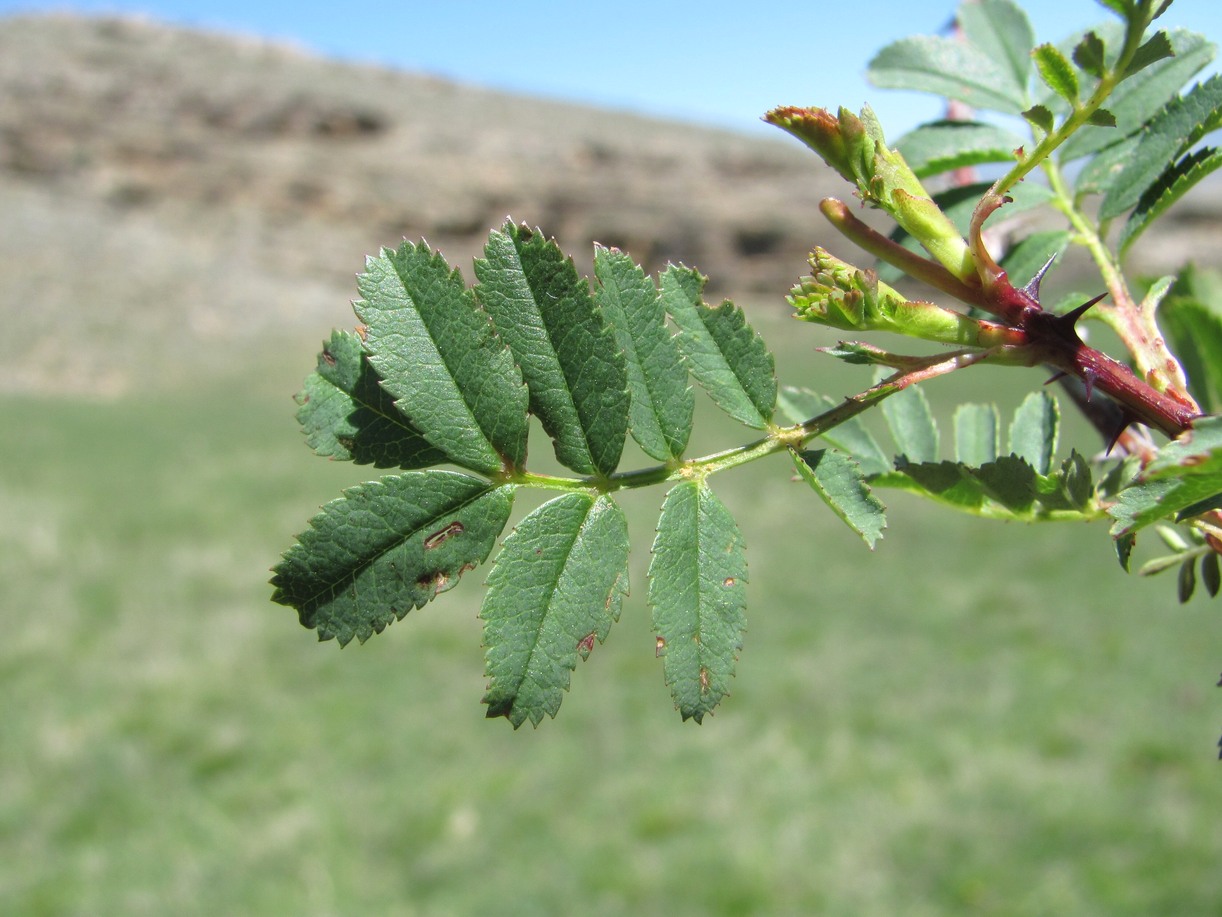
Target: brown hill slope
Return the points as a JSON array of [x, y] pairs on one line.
[[168, 189]]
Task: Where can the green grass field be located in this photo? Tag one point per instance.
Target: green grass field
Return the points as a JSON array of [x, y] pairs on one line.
[[976, 719]]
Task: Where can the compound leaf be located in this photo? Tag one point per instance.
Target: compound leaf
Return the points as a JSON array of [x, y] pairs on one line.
[[948, 67], [662, 402], [1033, 431], [437, 353], [977, 433], [386, 547], [1139, 97], [576, 373], [346, 414], [722, 350], [839, 482], [944, 145], [697, 590], [912, 425], [555, 588]]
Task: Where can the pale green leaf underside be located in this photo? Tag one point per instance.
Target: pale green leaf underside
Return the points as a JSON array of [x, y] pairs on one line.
[[800, 405], [697, 590], [944, 145], [568, 355], [725, 355], [912, 425], [346, 414], [948, 67], [437, 353], [555, 588], [662, 402], [977, 433], [386, 547], [1001, 30], [839, 482], [1033, 431]]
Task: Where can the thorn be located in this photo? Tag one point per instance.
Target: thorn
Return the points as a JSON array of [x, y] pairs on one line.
[[1057, 378], [1088, 379], [1032, 288], [1073, 315], [1125, 420]]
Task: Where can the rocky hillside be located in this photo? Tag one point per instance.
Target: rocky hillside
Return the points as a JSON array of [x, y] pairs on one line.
[[167, 188], [170, 197]]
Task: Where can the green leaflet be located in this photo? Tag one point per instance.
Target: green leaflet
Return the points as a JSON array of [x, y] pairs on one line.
[[977, 433], [800, 404], [1139, 97], [697, 590], [662, 402], [839, 482], [387, 547], [1002, 31], [1195, 334], [437, 353], [568, 355], [1180, 124], [1090, 54], [346, 414], [723, 352], [948, 67], [1177, 181], [912, 425], [555, 588], [940, 146], [1033, 431]]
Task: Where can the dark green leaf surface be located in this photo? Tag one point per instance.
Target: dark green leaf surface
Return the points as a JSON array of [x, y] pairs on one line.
[[839, 482], [1089, 54], [387, 547], [346, 414], [1001, 30], [977, 433], [1138, 98], [436, 352], [1169, 134], [662, 402], [1057, 72], [568, 355], [723, 352], [1040, 116], [912, 425], [1171, 186], [1156, 48], [555, 588], [944, 145], [1033, 431], [948, 67], [697, 580]]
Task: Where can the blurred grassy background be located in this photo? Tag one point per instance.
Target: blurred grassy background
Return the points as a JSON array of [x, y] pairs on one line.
[[977, 719]]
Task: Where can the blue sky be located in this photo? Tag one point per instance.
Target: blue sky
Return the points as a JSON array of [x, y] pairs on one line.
[[723, 63]]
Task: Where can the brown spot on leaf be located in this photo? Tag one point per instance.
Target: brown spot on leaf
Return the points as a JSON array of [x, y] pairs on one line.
[[436, 583], [704, 680], [328, 357], [454, 528], [362, 331], [660, 648], [728, 581], [586, 644]]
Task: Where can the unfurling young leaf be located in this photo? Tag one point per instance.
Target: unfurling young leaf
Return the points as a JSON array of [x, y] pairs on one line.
[[1089, 54], [346, 414], [839, 482], [568, 355], [723, 352], [436, 352], [662, 401], [387, 547], [1057, 72], [697, 588], [555, 588]]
